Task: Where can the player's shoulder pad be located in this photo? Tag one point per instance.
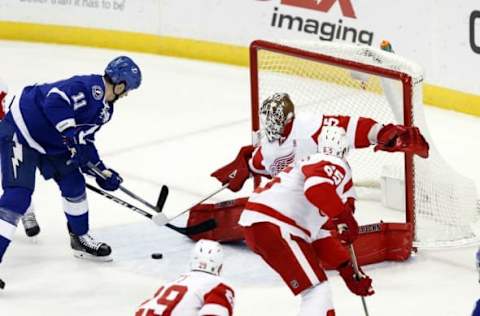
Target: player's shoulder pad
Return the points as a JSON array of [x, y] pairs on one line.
[[91, 86]]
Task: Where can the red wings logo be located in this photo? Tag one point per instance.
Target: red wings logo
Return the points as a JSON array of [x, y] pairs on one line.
[[323, 5]]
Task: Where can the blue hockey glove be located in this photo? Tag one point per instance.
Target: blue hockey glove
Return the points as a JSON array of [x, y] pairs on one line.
[[80, 154], [110, 180]]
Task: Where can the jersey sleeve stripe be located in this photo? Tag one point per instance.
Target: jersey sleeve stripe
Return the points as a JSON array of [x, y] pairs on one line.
[[213, 309], [22, 126], [351, 131], [312, 181], [256, 163], [60, 93], [65, 124], [362, 133]]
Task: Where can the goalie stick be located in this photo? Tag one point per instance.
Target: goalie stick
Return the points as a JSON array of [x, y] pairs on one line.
[[192, 230], [357, 272], [161, 198]]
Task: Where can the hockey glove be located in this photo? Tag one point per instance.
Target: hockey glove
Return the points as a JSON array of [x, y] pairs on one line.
[[110, 181], [393, 138], [346, 224], [80, 153], [358, 284], [236, 172]]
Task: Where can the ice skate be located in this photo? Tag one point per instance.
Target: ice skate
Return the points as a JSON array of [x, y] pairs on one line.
[[85, 247], [30, 224]]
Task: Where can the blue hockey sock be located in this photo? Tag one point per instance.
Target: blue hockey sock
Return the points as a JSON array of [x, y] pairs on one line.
[[76, 211], [8, 225], [4, 242]]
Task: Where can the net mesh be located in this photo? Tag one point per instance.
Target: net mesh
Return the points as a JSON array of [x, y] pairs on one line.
[[445, 204]]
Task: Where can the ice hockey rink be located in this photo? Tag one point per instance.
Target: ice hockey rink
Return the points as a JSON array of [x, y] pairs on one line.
[[187, 119]]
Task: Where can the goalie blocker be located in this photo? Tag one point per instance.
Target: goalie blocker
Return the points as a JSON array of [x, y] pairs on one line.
[[375, 243]]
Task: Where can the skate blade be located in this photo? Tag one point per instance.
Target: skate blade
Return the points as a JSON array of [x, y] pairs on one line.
[[87, 256], [33, 240]]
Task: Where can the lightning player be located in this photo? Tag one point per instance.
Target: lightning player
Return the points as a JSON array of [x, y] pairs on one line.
[[290, 137], [285, 223], [200, 292], [52, 127], [29, 220]]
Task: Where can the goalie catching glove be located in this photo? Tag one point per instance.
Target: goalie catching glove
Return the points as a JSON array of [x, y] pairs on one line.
[[393, 138], [358, 284], [236, 172]]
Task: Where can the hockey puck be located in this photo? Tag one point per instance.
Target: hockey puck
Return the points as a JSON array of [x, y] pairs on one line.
[[2, 284], [157, 255]]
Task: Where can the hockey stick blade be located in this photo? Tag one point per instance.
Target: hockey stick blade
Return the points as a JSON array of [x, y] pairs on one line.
[[162, 220], [162, 198], [202, 227]]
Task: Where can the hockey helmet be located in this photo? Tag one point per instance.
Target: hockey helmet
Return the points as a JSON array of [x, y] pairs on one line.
[[333, 141], [276, 111], [207, 256], [124, 70]]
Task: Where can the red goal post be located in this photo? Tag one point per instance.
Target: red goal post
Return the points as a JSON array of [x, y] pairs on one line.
[[338, 78]]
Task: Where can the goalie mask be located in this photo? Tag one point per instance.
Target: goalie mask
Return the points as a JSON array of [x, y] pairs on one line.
[[333, 141], [275, 113], [207, 256]]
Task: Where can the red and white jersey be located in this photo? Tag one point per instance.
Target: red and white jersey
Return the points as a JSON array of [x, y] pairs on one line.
[[283, 202], [271, 158], [3, 95], [195, 293]]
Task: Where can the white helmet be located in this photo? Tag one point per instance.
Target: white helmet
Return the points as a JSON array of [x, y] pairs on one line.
[[276, 111], [207, 256], [333, 141]]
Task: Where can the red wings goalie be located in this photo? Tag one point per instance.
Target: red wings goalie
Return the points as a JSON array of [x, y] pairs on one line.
[[200, 292], [289, 137]]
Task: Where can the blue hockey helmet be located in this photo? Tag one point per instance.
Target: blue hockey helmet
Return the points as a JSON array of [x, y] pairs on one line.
[[123, 70]]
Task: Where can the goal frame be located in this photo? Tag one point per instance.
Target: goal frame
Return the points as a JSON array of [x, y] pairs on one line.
[[404, 78]]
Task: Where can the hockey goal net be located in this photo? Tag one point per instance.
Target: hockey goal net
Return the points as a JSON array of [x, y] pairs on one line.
[[338, 78]]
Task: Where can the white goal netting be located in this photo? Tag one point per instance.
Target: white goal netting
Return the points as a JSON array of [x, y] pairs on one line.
[[444, 202]]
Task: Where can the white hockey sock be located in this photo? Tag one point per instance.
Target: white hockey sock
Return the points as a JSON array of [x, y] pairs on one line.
[[317, 301]]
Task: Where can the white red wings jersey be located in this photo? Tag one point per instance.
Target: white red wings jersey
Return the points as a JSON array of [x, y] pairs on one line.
[[195, 293], [282, 201], [302, 141], [3, 95]]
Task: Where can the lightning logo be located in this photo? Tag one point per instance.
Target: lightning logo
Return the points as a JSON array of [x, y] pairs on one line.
[[17, 155]]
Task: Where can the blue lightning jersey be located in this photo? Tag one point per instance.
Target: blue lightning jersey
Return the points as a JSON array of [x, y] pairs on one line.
[[42, 113]]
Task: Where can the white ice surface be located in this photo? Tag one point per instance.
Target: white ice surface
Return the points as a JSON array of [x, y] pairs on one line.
[[187, 119]]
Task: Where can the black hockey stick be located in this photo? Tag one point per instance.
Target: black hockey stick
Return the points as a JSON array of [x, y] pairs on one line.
[[192, 230], [161, 198]]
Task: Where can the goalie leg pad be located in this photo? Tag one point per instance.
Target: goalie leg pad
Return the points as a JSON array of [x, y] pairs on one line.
[[384, 241], [226, 214], [293, 258]]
